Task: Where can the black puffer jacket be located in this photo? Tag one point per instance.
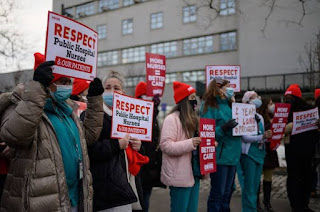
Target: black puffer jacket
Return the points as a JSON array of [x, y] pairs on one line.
[[150, 173], [108, 168]]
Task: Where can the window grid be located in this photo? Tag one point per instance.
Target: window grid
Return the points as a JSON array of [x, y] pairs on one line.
[[189, 14], [228, 41], [107, 58], [132, 55], [171, 77], [86, 9], [127, 26], [169, 49], [156, 20], [128, 2], [68, 12], [102, 31], [108, 4], [227, 7], [198, 45]]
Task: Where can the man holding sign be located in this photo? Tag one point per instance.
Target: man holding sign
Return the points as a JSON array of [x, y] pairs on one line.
[[299, 153]]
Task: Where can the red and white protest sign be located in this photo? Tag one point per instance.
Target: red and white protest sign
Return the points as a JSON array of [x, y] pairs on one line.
[[305, 121], [280, 119], [132, 116], [244, 114], [207, 146], [82, 107], [156, 74], [230, 73], [73, 46]]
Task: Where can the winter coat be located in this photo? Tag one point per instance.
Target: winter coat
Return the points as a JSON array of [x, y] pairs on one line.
[[150, 172], [177, 150], [108, 167], [271, 160], [228, 151], [36, 180]]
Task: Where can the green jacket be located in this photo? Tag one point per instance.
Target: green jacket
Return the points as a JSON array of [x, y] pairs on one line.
[[228, 151]]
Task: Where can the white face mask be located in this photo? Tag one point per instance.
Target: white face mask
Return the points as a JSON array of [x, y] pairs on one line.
[[148, 98], [271, 109], [84, 98]]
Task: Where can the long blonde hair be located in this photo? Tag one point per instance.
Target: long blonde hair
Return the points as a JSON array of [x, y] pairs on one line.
[[187, 116]]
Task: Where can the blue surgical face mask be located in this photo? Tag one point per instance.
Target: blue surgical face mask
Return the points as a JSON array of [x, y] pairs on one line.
[[62, 93], [257, 102], [229, 92], [108, 98]]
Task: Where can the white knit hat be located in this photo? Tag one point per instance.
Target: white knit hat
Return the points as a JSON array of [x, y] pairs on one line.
[[247, 95]]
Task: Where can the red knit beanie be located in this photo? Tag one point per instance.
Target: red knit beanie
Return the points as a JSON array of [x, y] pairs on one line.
[[316, 93], [181, 91], [38, 59], [79, 85], [135, 160], [141, 89], [294, 90]]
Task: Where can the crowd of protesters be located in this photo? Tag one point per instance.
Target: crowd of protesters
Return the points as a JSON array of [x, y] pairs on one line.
[[53, 160]]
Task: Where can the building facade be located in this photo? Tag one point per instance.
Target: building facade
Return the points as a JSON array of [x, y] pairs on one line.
[[192, 34]]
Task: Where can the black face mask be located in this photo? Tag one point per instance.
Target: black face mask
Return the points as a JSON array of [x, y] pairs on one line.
[[193, 104]]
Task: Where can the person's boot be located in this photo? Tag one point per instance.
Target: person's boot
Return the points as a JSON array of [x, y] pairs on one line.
[[267, 196], [259, 208]]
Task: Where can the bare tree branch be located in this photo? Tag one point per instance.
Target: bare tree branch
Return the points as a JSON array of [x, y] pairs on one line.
[[268, 16], [303, 11]]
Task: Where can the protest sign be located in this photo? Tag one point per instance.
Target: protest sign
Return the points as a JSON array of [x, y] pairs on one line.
[[132, 116], [280, 119], [207, 146], [73, 46], [82, 107], [230, 73], [305, 121], [156, 74], [244, 114]]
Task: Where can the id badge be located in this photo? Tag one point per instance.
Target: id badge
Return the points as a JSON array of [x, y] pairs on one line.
[[80, 170]]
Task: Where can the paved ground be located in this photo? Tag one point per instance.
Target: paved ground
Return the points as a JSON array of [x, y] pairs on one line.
[[160, 200]]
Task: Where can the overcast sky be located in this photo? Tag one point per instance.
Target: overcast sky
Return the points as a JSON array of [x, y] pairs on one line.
[[30, 19]]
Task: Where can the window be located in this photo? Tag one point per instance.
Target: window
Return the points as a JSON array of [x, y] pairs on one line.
[[171, 77], [198, 45], [105, 5], [169, 49], [132, 55], [189, 14], [156, 20], [85, 9], [127, 2], [127, 26], [68, 12], [102, 31], [108, 58], [228, 41], [227, 7]]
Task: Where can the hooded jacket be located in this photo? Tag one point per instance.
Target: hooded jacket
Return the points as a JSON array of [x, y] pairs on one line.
[[36, 180]]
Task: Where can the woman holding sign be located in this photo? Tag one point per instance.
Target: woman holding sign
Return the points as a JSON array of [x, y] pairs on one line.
[[253, 154], [299, 152], [180, 169], [216, 106], [112, 191]]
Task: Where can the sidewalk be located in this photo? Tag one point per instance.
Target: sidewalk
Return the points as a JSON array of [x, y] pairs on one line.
[[160, 198]]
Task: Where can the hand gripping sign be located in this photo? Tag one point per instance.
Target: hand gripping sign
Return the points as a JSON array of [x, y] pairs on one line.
[[73, 46], [207, 146], [82, 106], [279, 121], [230, 73], [132, 116], [156, 74], [305, 121], [244, 114]]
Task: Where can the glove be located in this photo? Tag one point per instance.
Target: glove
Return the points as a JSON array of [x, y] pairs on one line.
[[229, 125], [95, 87], [156, 100], [43, 73], [257, 118]]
